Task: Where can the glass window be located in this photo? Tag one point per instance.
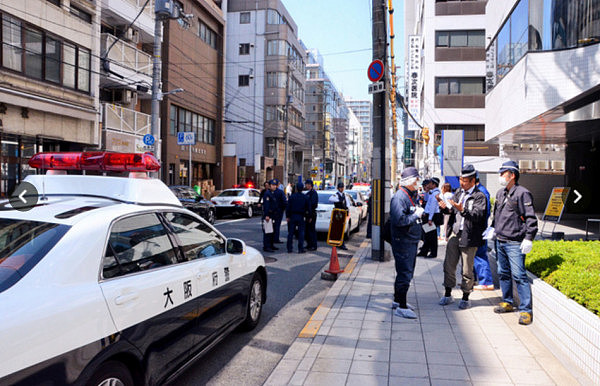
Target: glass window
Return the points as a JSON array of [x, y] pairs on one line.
[[460, 86], [231, 193], [80, 13], [244, 17], [197, 240], [181, 122], [441, 39], [471, 86], [33, 53], [83, 69], [69, 65], [476, 38], [173, 120], [519, 31], [52, 65], [442, 86], [458, 39], [273, 17], [11, 43], [244, 48], [243, 80], [22, 245], [504, 62], [139, 243]]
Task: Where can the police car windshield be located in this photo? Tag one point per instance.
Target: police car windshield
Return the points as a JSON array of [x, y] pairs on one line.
[[23, 244], [353, 194], [231, 193], [324, 197]]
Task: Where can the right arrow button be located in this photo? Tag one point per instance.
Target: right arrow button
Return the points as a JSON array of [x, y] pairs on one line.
[[578, 196]]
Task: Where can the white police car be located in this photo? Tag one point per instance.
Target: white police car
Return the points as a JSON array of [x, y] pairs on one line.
[[110, 281]]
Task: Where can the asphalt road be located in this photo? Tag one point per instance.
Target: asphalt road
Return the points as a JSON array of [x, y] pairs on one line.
[[294, 291]]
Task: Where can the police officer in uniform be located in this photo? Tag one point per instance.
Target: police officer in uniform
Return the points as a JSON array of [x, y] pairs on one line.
[[268, 214], [281, 200], [514, 226], [339, 202], [405, 221], [297, 209], [311, 219]]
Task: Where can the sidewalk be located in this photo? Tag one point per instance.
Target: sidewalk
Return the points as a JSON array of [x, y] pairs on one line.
[[353, 338]]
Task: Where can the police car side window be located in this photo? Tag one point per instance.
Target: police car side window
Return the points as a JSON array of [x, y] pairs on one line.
[[197, 239], [137, 243]]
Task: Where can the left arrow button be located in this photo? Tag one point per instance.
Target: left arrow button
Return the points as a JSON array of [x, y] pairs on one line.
[[24, 197]]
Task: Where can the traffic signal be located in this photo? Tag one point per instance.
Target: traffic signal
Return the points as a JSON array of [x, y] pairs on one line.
[[425, 134]]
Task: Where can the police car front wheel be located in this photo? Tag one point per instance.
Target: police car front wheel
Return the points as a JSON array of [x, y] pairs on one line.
[[111, 373], [255, 303]]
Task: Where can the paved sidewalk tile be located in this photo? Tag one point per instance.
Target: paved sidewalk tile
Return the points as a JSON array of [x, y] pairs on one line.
[[366, 380], [369, 368]]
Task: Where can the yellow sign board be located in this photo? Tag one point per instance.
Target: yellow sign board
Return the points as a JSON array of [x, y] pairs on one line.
[[556, 204], [337, 227]]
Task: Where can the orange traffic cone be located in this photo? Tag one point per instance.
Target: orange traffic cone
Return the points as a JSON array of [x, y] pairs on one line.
[[334, 264]]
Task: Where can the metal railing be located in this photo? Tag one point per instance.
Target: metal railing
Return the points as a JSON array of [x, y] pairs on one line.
[[123, 120], [127, 55]]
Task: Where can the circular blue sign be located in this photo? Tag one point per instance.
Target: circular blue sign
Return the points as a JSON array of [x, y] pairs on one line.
[[375, 70], [148, 140]]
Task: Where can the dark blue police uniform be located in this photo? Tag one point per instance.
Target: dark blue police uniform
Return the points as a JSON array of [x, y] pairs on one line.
[[269, 210], [311, 219], [281, 203], [297, 209]]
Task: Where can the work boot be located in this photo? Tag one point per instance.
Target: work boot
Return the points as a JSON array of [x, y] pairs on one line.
[[525, 318], [406, 313], [503, 308]]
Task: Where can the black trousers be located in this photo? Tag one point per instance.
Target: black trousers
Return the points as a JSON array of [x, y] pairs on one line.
[[310, 232], [430, 244]]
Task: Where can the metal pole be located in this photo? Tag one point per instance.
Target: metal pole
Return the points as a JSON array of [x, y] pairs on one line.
[[156, 92], [190, 166], [324, 138], [287, 128]]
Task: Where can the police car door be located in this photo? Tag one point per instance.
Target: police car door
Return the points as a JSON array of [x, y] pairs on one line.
[[221, 299], [149, 293]]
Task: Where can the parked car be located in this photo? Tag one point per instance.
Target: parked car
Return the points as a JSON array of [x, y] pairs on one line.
[[362, 187], [239, 202], [361, 203], [111, 281], [325, 208], [195, 202]]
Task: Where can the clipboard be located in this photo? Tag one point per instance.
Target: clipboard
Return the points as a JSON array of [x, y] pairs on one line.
[[429, 228], [268, 226]]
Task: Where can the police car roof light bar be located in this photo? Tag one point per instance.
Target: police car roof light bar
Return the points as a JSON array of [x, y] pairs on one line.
[[97, 161]]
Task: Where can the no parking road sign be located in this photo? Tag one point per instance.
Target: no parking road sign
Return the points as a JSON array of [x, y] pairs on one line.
[[375, 70]]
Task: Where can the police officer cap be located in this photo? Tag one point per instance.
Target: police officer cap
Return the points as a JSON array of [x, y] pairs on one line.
[[409, 172], [511, 166], [468, 171], [436, 181], [426, 182], [308, 182], [299, 186], [340, 185], [272, 182]]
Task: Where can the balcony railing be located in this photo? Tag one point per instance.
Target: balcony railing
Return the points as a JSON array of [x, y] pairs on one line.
[[127, 55], [126, 121]]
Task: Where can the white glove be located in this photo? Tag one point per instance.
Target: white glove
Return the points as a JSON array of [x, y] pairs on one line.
[[526, 246], [488, 234], [419, 211]]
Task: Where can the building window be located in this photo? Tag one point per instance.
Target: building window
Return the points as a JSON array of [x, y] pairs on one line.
[[243, 80], [207, 35], [185, 120], [55, 2], [275, 113], [475, 38], [44, 56], [244, 17], [173, 120], [471, 132], [80, 13], [459, 86], [276, 79], [274, 17], [244, 48]]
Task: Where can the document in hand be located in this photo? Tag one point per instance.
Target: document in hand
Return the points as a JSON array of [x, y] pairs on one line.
[[268, 226], [428, 228]]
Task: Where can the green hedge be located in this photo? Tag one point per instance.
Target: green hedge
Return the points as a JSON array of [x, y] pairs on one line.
[[572, 267]]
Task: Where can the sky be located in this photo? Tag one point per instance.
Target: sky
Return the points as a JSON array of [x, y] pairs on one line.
[[341, 31]]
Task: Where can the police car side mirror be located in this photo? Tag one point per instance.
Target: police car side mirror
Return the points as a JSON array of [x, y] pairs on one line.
[[359, 204], [236, 247]]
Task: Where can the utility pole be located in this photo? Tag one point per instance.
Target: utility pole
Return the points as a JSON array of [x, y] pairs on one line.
[[324, 137], [287, 125], [380, 164]]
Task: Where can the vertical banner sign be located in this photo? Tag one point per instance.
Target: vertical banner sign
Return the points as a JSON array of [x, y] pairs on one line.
[[452, 152], [407, 152], [490, 67], [556, 204], [414, 80]]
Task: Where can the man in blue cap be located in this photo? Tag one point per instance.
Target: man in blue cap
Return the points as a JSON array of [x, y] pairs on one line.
[[514, 226], [297, 210], [311, 220], [405, 221], [268, 213], [467, 210]]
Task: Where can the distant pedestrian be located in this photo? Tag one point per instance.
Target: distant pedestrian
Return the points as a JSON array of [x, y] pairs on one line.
[[266, 187], [481, 264], [281, 203], [405, 221], [515, 226], [433, 217], [311, 219], [288, 189], [298, 209], [269, 210], [340, 201], [467, 223]]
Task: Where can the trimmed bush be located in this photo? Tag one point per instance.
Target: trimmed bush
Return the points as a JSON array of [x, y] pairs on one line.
[[572, 267]]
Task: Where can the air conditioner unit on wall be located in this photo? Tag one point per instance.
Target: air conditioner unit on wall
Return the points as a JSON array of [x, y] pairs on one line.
[[525, 164], [128, 34], [136, 37], [558, 165], [541, 165], [126, 96]]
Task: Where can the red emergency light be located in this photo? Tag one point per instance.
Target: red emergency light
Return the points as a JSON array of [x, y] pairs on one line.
[[96, 160], [250, 185]]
